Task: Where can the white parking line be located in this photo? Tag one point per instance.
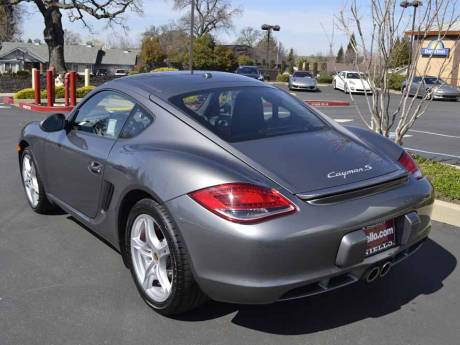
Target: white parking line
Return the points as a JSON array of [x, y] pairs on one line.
[[293, 93], [432, 153], [343, 120], [393, 135], [433, 133]]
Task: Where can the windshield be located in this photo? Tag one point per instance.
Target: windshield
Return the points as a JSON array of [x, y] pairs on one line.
[[245, 113], [302, 75], [433, 81], [356, 75], [247, 70]]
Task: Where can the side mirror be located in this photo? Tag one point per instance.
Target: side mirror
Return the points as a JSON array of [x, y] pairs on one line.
[[54, 123]]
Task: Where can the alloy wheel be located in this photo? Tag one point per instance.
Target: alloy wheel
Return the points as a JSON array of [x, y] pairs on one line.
[[151, 258], [29, 177]]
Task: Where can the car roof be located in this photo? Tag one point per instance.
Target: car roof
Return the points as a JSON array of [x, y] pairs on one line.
[[168, 84]]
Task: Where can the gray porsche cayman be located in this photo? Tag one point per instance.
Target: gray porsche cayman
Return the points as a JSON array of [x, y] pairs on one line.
[[214, 185]]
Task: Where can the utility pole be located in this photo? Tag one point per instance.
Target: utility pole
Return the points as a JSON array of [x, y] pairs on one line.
[[192, 25]]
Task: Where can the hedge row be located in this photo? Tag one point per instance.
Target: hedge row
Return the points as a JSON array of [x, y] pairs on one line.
[[29, 92]]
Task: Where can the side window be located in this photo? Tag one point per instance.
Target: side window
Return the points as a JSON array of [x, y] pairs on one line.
[[104, 114], [137, 122]]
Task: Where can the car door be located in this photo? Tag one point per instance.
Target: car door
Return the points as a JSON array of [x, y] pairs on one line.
[[340, 80], [76, 158], [415, 86]]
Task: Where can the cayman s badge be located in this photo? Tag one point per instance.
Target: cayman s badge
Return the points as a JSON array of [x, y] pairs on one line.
[[345, 173]]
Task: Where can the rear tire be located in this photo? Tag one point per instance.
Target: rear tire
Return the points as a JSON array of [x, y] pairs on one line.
[[33, 186], [174, 291]]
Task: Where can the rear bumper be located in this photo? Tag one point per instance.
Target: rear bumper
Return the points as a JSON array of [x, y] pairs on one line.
[[297, 255]]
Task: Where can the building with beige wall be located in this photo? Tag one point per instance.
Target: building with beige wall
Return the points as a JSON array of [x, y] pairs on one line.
[[439, 57]]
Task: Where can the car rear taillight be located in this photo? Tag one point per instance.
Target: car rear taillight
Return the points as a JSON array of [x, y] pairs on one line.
[[409, 164], [243, 202]]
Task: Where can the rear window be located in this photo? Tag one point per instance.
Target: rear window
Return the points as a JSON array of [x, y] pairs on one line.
[[246, 113], [248, 70]]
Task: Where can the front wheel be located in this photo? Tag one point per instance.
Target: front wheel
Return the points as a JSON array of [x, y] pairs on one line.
[[158, 260], [33, 186]]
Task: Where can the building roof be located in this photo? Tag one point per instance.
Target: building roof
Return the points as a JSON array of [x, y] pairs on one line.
[[72, 53], [445, 28], [119, 57], [80, 54]]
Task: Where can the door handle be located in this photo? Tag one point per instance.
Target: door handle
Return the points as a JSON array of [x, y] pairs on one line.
[[95, 167]]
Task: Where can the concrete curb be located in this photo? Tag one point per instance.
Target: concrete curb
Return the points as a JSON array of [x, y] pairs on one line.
[[446, 212]]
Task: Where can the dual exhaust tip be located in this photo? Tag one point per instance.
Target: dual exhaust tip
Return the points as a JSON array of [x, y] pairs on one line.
[[377, 271]]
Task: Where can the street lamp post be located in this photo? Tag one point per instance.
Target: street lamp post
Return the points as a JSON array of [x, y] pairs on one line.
[[414, 4], [269, 29]]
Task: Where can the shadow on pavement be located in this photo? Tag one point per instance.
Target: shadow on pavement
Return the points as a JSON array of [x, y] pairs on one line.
[[421, 274]]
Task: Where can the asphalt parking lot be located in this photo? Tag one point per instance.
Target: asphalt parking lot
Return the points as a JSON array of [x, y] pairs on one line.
[[62, 285], [435, 135]]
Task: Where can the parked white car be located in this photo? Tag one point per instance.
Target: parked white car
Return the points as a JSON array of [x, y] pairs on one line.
[[352, 81], [121, 72]]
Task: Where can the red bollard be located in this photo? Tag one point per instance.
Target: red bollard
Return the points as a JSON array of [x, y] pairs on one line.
[[50, 87], [37, 96], [66, 89], [73, 88]]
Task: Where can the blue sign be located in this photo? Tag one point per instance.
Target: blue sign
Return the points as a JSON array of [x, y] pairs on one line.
[[435, 48]]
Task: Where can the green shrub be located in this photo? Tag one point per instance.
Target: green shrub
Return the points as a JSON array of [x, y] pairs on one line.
[[84, 90], [59, 92], [23, 73], [325, 78], [282, 77], [164, 69], [25, 94], [395, 81], [29, 92], [133, 72]]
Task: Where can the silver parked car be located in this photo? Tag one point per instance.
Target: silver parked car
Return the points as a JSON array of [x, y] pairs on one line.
[[215, 185], [302, 80], [431, 87]]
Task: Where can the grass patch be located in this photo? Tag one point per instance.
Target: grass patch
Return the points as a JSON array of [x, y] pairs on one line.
[[445, 178]]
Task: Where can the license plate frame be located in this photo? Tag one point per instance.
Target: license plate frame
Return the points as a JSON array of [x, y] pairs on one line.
[[380, 237]]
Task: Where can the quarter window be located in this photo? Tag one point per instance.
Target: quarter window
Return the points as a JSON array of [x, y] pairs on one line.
[[104, 114], [138, 121]]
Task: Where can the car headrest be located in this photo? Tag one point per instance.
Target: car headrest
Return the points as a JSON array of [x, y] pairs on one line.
[[248, 114]]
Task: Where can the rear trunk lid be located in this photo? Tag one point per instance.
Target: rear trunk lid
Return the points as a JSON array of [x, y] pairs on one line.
[[315, 161]]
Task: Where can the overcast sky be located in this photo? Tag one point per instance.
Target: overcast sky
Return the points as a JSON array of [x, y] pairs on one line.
[[300, 22]]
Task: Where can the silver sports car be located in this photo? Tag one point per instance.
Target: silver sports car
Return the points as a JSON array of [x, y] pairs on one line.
[[431, 87], [214, 185], [302, 80]]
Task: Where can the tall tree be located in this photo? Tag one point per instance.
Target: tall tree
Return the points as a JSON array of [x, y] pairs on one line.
[[248, 36], [152, 55], [173, 40], [51, 10], [350, 53], [399, 55], [210, 15], [10, 21], [291, 61], [340, 55]]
